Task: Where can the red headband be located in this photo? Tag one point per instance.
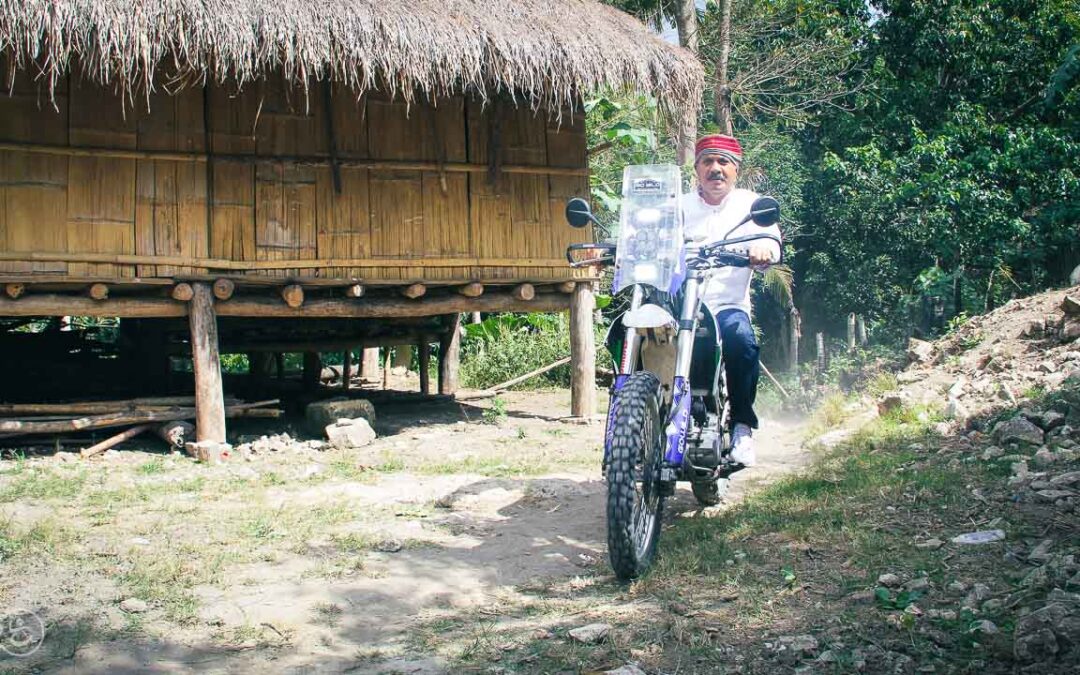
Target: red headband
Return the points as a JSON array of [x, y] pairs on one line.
[[718, 144]]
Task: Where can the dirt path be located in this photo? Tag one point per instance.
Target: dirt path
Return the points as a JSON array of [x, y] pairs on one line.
[[458, 514]]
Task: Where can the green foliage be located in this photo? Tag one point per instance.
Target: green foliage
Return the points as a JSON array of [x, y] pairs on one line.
[[496, 414], [505, 346]]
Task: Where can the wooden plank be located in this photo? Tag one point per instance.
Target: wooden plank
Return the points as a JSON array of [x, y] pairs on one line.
[[461, 263]]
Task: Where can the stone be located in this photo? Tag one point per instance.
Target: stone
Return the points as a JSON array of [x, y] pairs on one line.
[[1046, 420], [1047, 367], [992, 452], [1065, 479], [346, 434], [628, 669], [918, 584], [985, 627], [1040, 634], [979, 538], [209, 452], [890, 402], [805, 644], [322, 414], [1054, 495], [1070, 332], [1018, 430], [1071, 304], [1074, 278], [979, 594], [890, 580], [956, 410], [139, 541], [920, 351], [134, 606], [590, 634], [389, 546], [931, 544], [1043, 458], [957, 587], [942, 614]]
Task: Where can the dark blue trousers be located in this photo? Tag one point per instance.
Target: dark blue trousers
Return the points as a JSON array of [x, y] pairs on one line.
[[741, 363]]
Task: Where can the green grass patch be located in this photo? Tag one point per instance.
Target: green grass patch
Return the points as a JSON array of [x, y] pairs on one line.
[[44, 483]]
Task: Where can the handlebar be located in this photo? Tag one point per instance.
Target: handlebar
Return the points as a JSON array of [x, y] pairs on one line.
[[606, 258]]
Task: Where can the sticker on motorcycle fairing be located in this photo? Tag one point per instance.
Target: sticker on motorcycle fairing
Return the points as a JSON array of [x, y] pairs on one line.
[[647, 186]]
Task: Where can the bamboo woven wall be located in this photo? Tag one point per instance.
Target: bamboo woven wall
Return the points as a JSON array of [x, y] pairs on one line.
[[420, 224]]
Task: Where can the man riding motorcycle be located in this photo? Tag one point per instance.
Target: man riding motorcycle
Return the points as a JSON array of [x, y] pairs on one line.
[[711, 213]]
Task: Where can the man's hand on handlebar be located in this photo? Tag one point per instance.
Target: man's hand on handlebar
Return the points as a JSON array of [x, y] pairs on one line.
[[760, 254]]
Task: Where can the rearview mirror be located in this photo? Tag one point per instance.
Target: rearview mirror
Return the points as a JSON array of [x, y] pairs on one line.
[[765, 211], [578, 213]]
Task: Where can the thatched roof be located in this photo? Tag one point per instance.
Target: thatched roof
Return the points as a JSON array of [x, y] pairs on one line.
[[548, 50]]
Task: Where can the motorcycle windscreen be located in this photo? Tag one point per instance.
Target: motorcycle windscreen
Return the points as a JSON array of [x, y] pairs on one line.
[[650, 245]]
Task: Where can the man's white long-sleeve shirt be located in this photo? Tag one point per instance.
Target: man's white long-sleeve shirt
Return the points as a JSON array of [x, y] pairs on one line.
[[727, 287]]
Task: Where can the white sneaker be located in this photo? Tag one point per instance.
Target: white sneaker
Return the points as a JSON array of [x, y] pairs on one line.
[[742, 445]]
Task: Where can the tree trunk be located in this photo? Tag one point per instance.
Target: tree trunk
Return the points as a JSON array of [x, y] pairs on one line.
[[687, 24], [582, 352], [209, 396], [312, 371], [424, 354], [722, 101], [449, 356]]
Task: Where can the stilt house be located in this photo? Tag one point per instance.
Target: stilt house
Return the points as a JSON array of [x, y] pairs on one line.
[[301, 174]]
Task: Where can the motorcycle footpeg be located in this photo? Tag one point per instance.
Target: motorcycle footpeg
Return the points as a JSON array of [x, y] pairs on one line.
[[727, 467]]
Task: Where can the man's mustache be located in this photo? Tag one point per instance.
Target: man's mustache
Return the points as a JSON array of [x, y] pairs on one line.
[[716, 176]]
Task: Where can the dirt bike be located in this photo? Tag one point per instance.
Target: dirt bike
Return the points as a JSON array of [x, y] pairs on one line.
[[668, 416]]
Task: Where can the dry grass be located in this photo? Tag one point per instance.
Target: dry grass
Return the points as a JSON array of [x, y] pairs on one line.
[[546, 53]]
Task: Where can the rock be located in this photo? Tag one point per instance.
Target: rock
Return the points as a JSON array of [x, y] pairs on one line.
[[956, 410], [942, 614], [861, 597], [805, 644], [920, 351], [1071, 331], [890, 580], [931, 544], [979, 594], [991, 452], [957, 587], [1037, 578], [346, 434], [1046, 631], [134, 606], [1065, 479], [1046, 420], [890, 402], [1074, 278], [139, 541], [591, 634], [209, 452], [1043, 458], [389, 546], [1018, 430], [628, 669], [1047, 367], [1054, 495], [1041, 553], [979, 538], [1071, 304], [918, 584], [322, 414], [985, 627]]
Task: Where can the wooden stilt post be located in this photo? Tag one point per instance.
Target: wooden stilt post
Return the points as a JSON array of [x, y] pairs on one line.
[[312, 370], [860, 330], [403, 356], [279, 365], [582, 351], [386, 369], [851, 332], [820, 340], [369, 367], [209, 397], [346, 369], [449, 356], [424, 351]]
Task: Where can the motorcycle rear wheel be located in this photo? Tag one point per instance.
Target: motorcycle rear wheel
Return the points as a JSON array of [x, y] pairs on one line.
[[635, 501]]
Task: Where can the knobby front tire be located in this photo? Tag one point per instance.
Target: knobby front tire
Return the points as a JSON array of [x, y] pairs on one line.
[[634, 499]]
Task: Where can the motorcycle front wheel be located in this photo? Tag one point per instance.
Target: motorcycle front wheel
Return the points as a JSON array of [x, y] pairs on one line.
[[635, 500]]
